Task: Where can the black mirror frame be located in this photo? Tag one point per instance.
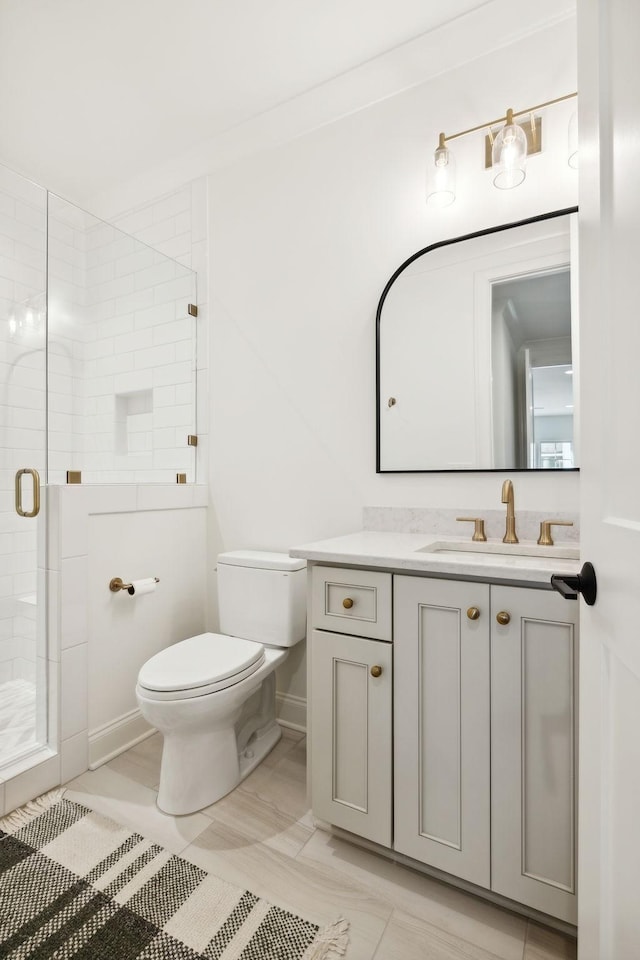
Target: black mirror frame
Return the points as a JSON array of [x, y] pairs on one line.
[[434, 246]]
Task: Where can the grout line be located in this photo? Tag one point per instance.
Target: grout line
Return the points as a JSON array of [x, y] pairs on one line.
[[382, 935]]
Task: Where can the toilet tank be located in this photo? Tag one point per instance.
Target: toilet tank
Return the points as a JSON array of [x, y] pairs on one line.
[[262, 597]]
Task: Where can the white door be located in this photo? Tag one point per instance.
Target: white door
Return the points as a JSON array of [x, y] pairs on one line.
[[609, 812]]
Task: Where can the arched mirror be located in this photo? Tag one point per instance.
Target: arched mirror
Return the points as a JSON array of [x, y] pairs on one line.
[[476, 367]]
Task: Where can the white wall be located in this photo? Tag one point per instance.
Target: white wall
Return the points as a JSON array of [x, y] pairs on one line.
[[302, 241], [99, 638], [123, 631]]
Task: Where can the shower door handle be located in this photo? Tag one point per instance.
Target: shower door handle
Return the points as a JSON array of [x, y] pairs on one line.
[[35, 476]]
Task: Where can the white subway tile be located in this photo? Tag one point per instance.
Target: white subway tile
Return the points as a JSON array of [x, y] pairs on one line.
[[172, 204], [138, 260], [128, 382], [73, 691], [174, 417], [32, 214], [74, 756], [135, 340], [155, 356], [158, 234], [172, 373], [135, 302], [136, 220], [179, 289], [73, 607], [155, 315], [101, 274], [119, 363]]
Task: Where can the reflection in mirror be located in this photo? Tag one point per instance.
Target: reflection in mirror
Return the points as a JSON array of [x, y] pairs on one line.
[[474, 352], [531, 372]]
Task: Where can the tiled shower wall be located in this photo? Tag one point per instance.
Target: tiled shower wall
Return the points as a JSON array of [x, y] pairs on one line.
[[176, 225], [122, 355]]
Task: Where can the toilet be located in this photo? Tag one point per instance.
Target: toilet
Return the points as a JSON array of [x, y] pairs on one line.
[[213, 696]]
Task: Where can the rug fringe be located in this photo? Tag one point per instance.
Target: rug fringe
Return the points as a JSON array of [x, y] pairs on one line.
[[330, 943], [25, 814]]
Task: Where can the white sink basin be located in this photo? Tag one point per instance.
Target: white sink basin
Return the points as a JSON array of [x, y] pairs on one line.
[[492, 549]]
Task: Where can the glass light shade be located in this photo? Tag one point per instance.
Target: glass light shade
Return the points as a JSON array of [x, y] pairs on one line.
[[441, 177], [572, 142], [509, 155]]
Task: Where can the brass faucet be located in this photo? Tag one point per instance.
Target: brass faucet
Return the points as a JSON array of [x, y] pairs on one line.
[[507, 497]]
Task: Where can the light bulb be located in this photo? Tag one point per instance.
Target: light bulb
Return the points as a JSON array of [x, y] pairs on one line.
[[509, 155], [441, 177]]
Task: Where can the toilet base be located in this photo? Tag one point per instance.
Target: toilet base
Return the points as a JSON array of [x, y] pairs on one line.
[[258, 748], [184, 793]]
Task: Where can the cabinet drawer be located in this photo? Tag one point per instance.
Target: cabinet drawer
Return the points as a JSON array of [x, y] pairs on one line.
[[352, 601]]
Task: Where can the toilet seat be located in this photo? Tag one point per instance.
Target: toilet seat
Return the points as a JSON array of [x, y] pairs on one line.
[[199, 665]]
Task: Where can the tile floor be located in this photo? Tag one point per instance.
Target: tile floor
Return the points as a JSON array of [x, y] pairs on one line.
[[262, 837]]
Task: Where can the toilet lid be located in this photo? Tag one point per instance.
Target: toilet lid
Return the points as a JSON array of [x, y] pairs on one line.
[[210, 658]]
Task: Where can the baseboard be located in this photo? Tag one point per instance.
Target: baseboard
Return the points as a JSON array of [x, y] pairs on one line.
[[291, 711], [113, 738]]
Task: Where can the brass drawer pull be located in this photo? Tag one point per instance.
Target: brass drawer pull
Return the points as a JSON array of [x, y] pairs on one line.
[[347, 603], [473, 613], [503, 618], [376, 671]]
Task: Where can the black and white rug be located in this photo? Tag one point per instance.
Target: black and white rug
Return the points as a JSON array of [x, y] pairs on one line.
[[75, 885]]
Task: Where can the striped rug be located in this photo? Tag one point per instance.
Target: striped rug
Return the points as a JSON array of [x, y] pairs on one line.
[[75, 885]]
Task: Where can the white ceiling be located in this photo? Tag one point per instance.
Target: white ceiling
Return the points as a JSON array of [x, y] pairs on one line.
[[96, 92]]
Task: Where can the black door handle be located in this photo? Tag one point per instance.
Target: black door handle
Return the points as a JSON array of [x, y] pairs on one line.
[[583, 582]]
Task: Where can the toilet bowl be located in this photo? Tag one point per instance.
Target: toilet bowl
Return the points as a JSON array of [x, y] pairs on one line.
[[212, 696]]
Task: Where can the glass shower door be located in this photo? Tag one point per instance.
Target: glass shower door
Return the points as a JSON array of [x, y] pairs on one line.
[[23, 408]]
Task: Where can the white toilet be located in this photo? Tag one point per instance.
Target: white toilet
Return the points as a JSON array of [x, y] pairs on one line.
[[213, 696]]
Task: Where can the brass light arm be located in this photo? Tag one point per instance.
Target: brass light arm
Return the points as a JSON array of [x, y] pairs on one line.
[[516, 113]]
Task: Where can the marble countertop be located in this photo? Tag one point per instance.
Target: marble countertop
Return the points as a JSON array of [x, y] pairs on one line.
[[494, 560]]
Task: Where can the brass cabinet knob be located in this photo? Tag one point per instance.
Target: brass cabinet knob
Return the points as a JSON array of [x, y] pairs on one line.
[[473, 613], [503, 618], [347, 603], [376, 671]]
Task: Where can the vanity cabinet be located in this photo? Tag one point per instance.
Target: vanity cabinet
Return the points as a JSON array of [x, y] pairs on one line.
[[351, 703], [534, 749], [442, 749], [442, 725], [485, 737]]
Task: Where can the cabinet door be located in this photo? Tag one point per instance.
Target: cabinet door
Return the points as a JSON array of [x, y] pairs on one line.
[[533, 801], [441, 738], [351, 734]]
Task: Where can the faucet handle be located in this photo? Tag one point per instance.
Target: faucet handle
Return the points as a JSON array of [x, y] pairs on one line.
[[478, 530], [545, 539]]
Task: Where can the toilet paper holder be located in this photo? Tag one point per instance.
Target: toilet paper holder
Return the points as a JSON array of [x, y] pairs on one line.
[[117, 583]]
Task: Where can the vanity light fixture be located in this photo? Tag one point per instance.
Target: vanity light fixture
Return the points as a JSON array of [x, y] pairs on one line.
[[441, 176], [506, 151], [509, 153]]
